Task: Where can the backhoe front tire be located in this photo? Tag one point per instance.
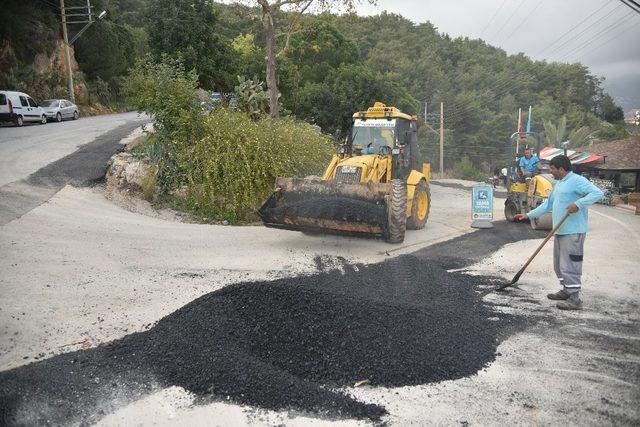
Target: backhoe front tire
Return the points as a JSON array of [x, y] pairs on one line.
[[397, 212], [420, 207]]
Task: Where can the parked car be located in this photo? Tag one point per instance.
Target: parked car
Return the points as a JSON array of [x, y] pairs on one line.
[[18, 107], [60, 109]]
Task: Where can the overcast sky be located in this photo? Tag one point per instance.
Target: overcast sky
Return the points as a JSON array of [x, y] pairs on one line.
[[603, 34]]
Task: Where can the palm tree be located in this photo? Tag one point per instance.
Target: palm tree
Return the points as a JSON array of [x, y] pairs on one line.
[[555, 135]]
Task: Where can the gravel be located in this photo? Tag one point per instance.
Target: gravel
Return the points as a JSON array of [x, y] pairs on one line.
[[295, 343]]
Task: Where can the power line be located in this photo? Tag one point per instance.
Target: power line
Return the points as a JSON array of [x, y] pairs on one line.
[[632, 4], [611, 38], [522, 22], [605, 31], [573, 28], [507, 81], [51, 4], [509, 18], [492, 18], [555, 50]]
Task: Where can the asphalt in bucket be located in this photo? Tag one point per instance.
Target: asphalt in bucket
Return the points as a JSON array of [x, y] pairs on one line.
[[289, 344], [330, 207]]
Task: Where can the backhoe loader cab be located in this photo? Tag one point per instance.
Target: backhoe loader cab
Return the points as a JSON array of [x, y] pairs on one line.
[[375, 183]]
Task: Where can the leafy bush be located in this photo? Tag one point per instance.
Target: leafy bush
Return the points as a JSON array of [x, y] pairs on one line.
[[234, 166], [464, 169], [102, 90], [168, 93], [228, 159]]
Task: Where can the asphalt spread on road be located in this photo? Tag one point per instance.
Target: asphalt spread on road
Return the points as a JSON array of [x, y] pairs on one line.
[[290, 344], [81, 168]]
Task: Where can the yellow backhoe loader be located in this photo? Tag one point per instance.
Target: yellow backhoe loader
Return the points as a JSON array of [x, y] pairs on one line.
[[374, 185]]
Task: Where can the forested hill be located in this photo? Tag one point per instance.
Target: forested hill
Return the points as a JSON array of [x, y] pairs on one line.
[[343, 62], [340, 64], [481, 86]]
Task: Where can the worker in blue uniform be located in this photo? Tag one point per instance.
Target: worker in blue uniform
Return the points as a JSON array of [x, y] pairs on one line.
[[573, 193]]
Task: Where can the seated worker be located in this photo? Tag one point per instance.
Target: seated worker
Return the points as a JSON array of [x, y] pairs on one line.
[[381, 138], [369, 149], [528, 163]]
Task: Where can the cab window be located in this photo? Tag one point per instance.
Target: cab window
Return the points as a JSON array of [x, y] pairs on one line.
[[3, 99], [404, 126], [373, 137], [32, 103], [23, 101]]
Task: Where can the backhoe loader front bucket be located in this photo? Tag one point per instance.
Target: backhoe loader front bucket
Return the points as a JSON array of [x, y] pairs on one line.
[[328, 206]]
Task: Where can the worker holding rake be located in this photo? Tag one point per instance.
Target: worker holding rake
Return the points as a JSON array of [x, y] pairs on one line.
[[572, 193]]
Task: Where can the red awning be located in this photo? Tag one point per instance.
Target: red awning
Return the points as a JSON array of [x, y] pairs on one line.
[[576, 157]]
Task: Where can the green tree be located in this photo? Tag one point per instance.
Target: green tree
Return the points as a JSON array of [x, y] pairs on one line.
[[106, 51], [250, 57], [314, 54], [610, 111], [556, 134], [346, 90], [320, 49], [269, 9], [185, 29]]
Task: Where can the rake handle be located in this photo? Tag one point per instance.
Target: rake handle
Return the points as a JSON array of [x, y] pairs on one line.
[[546, 239]]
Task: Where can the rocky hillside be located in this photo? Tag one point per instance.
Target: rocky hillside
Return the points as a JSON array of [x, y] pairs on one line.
[[32, 55]]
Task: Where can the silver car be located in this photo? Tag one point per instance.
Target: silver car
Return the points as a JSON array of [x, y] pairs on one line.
[[60, 109]]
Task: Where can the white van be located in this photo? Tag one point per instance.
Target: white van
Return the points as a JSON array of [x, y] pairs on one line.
[[18, 107]]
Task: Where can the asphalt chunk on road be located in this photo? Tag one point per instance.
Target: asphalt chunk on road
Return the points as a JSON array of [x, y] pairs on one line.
[[290, 344]]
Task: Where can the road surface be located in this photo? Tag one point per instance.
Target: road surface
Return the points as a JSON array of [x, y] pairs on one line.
[[37, 161], [79, 271], [24, 150]]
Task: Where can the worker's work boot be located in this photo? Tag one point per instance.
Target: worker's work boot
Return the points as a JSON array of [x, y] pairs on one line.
[[561, 295], [572, 303]]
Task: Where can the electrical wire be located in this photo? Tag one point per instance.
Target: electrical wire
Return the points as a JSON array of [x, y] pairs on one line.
[[521, 22], [632, 4], [577, 36], [492, 18], [51, 4], [573, 28], [509, 18], [611, 38], [462, 111]]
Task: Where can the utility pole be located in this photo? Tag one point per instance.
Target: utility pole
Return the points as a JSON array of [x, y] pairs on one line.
[[441, 140], [425, 112], [67, 56], [81, 17]]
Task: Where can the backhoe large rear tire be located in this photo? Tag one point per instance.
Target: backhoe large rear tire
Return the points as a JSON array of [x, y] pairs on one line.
[[420, 207], [397, 212]]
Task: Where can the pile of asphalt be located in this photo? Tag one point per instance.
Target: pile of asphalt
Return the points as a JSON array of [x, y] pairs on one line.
[[295, 343]]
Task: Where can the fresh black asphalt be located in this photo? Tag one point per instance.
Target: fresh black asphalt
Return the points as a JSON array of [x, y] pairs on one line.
[[290, 344]]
